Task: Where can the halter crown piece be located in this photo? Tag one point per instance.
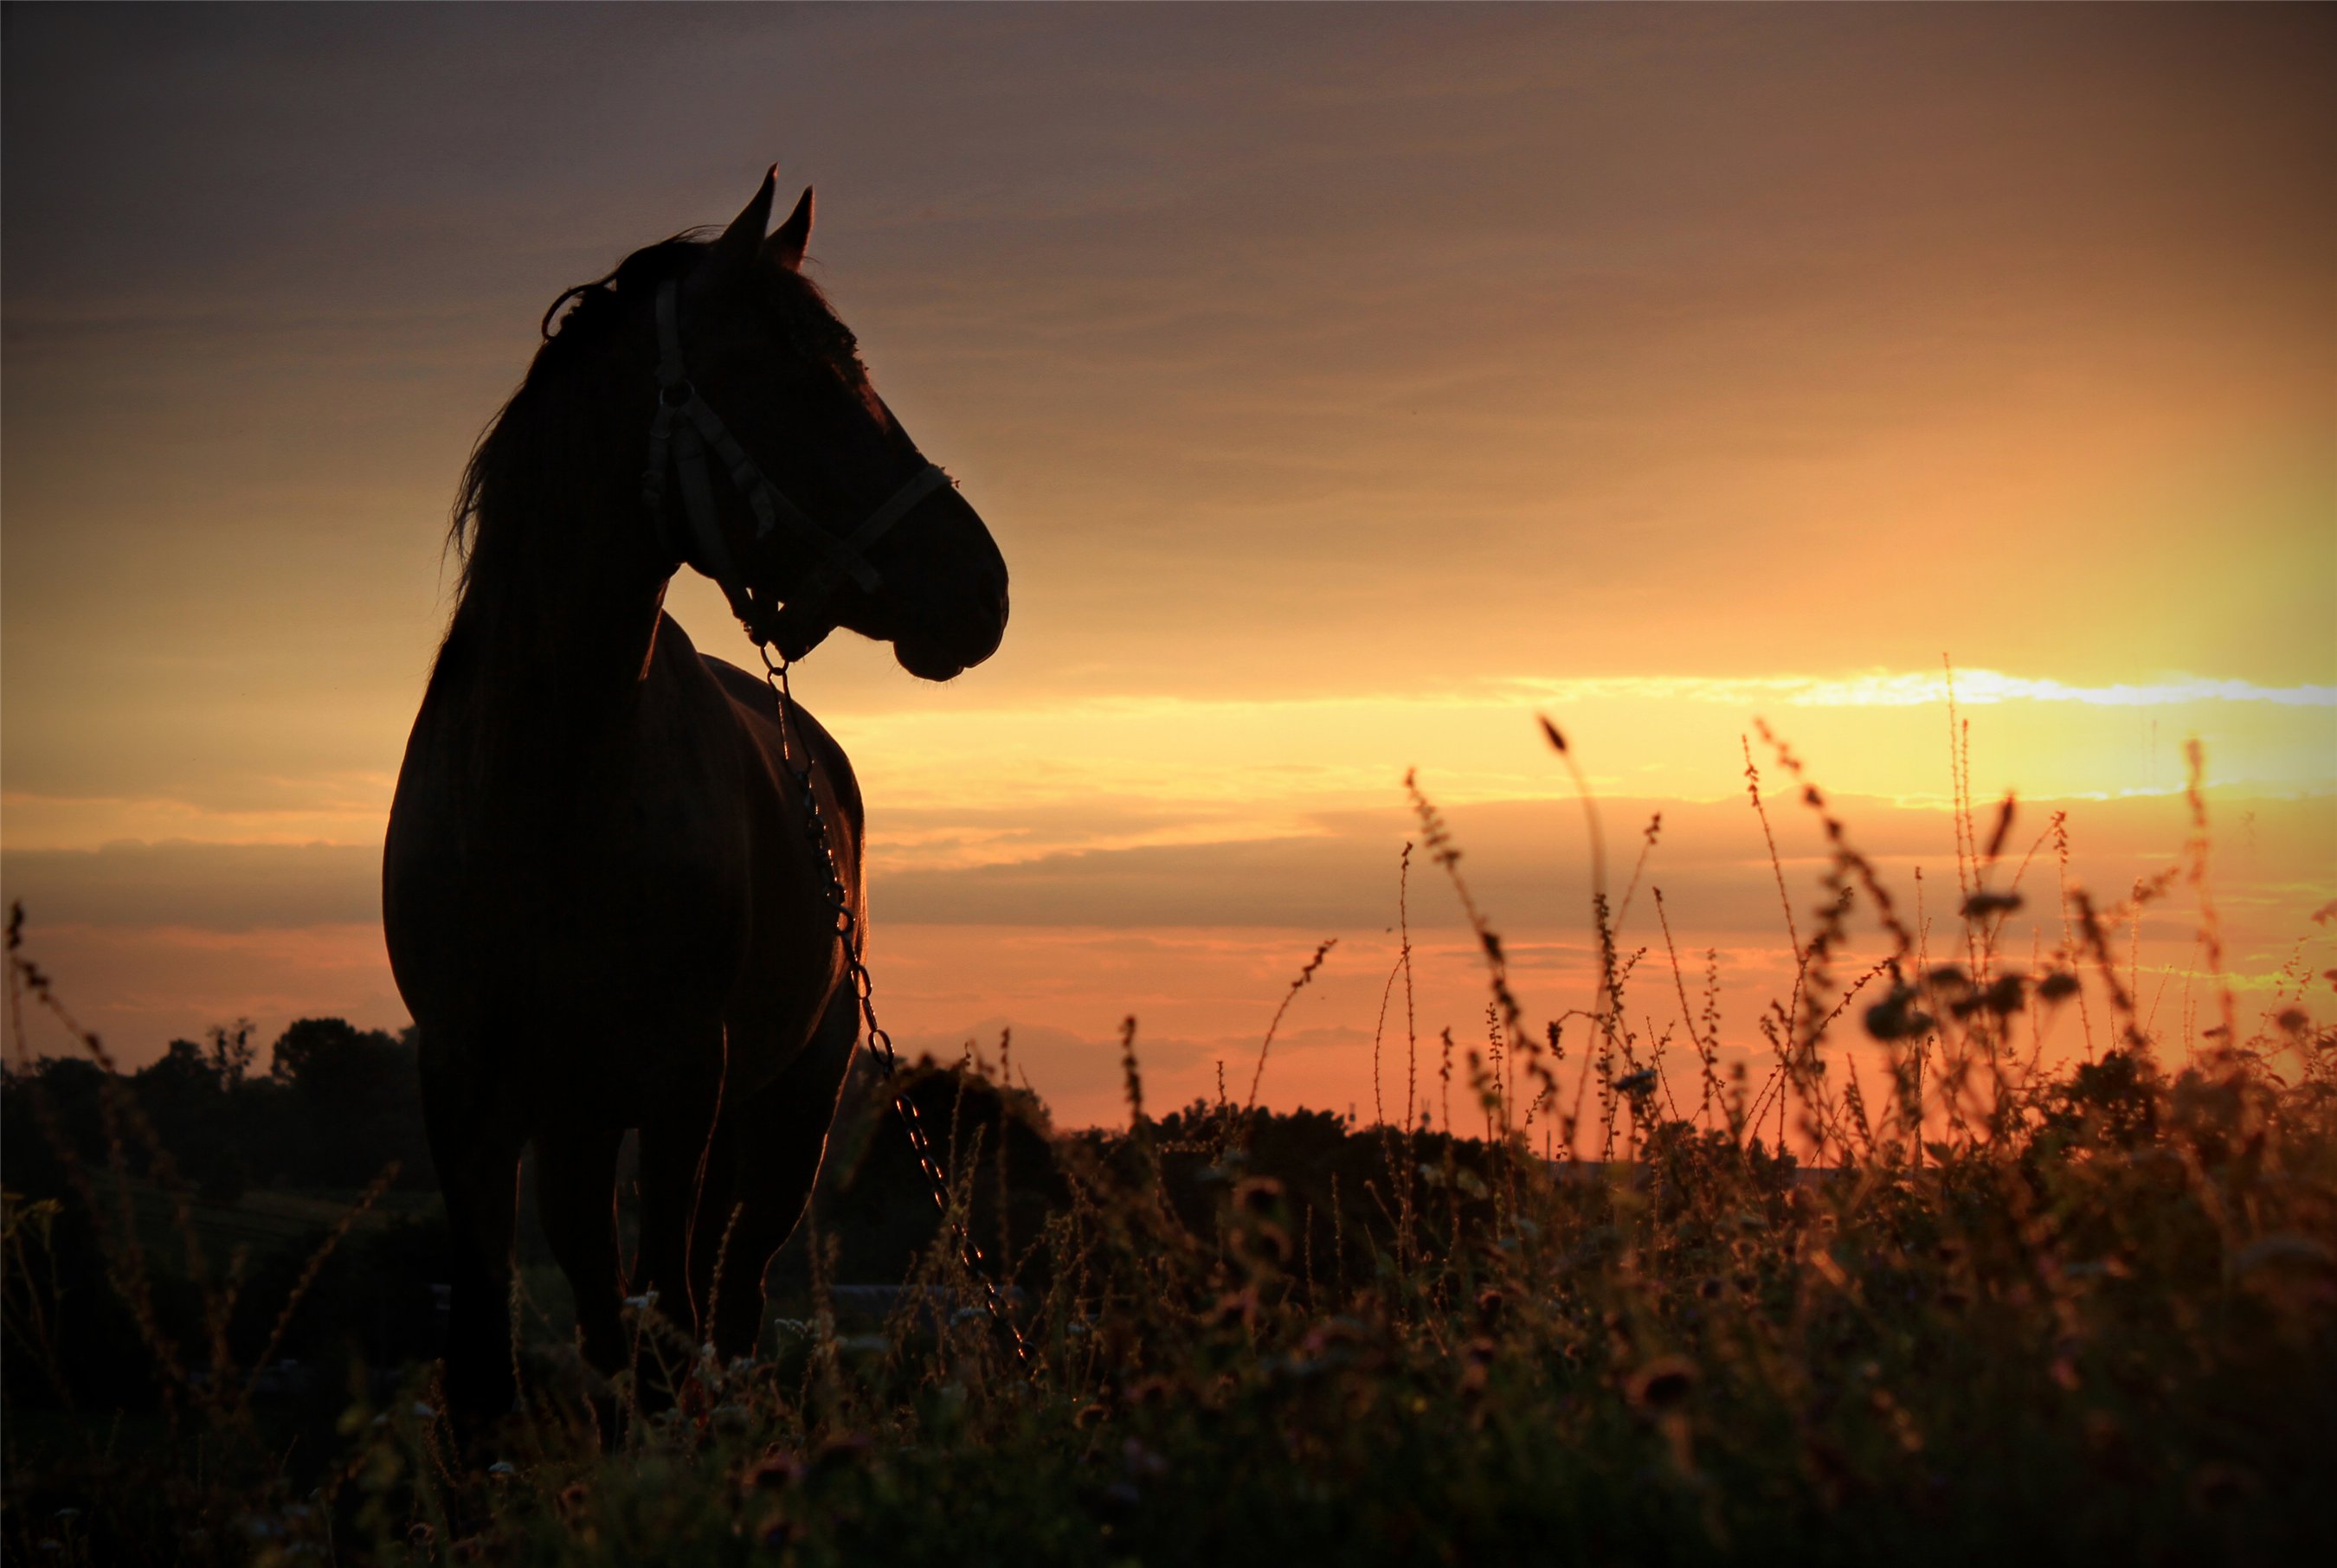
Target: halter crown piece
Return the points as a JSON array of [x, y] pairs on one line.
[[680, 436]]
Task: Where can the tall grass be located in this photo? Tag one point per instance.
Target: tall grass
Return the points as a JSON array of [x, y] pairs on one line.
[[1983, 1306]]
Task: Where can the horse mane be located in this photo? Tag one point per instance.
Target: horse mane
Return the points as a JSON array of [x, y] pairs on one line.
[[541, 471]]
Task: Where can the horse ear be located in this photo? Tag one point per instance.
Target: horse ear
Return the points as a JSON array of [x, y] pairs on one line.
[[735, 251], [787, 243]]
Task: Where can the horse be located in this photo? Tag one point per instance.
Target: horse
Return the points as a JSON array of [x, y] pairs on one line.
[[608, 902]]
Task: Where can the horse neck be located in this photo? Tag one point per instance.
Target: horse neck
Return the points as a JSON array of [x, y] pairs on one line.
[[558, 658]]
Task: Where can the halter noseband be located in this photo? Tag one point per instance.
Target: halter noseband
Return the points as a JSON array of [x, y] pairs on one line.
[[680, 437]]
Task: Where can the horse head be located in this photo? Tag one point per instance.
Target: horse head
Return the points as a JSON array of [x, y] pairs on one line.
[[775, 467]]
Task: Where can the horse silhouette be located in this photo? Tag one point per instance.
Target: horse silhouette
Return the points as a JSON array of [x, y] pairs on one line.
[[603, 903]]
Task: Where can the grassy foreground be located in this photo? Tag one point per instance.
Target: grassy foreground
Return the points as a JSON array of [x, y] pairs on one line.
[[2006, 1313]]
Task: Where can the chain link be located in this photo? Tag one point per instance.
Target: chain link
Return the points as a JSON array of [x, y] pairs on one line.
[[864, 992]]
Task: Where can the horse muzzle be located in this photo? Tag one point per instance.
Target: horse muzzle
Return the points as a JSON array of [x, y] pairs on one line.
[[929, 655]]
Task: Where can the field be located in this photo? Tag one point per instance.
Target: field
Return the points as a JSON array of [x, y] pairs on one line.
[[1984, 1307]]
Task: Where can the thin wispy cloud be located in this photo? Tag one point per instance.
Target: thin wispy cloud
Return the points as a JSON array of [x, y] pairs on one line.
[[1886, 689], [1874, 688]]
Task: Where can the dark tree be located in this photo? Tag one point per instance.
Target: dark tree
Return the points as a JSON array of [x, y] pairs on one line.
[[355, 1104]]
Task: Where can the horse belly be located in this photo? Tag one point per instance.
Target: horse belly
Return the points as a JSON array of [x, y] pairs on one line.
[[627, 979]]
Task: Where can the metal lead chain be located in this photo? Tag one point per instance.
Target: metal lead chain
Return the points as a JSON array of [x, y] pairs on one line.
[[864, 992]]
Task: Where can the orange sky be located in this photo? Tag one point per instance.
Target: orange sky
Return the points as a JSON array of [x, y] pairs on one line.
[[1344, 385]]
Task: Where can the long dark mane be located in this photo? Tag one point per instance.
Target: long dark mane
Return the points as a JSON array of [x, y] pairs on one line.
[[549, 527], [536, 497]]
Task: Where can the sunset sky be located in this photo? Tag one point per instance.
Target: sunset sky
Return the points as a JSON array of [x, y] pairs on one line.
[[1344, 387]]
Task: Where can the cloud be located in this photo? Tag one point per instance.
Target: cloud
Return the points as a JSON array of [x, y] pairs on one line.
[[1887, 688], [1200, 941], [1527, 864], [1527, 861], [208, 886]]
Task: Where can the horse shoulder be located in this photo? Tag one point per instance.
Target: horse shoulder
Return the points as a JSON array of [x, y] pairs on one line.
[[757, 710]]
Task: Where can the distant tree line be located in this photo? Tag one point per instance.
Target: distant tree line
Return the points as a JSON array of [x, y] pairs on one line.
[[335, 1105]]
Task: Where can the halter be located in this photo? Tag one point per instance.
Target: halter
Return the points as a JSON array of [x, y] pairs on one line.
[[680, 437]]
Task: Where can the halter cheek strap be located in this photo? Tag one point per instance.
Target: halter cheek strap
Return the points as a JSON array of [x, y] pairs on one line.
[[684, 432]]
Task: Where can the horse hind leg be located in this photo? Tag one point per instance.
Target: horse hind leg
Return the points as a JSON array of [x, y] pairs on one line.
[[476, 1151], [782, 1136], [576, 1198]]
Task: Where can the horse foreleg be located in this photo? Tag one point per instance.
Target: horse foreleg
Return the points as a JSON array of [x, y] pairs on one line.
[[712, 1268], [477, 1156], [576, 1198], [781, 1136], [677, 1157]]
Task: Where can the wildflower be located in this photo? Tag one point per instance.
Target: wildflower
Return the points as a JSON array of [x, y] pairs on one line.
[[1662, 1383], [2218, 1484], [1896, 1016], [2004, 995], [1140, 1462], [1143, 1391], [842, 1452], [1478, 1354], [1334, 1333], [776, 1471], [2283, 1248], [1238, 1308]]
